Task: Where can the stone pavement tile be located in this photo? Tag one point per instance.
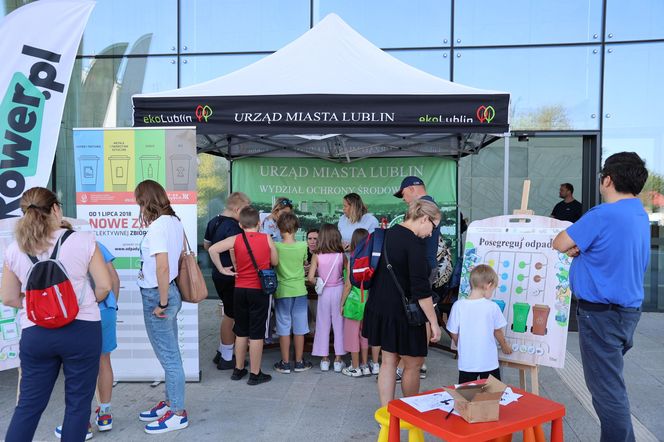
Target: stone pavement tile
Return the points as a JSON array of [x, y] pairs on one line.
[[579, 422]]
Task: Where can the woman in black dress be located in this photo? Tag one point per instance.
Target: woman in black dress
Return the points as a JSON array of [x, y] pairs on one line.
[[385, 322]]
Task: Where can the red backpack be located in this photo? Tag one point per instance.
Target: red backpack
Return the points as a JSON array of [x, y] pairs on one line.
[[364, 260], [50, 300]]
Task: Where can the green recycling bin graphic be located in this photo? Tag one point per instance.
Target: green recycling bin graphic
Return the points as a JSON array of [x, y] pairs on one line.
[[150, 167], [521, 310]]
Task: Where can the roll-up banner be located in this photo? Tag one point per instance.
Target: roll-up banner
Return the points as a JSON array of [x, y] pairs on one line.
[[39, 45], [109, 163]]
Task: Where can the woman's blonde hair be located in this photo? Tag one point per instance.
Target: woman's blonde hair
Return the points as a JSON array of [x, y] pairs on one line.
[[153, 201], [357, 207], [419, 208], [281, 203], [33, 231]]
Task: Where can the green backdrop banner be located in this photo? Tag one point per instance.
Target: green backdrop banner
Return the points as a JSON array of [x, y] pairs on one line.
[[317, 186]]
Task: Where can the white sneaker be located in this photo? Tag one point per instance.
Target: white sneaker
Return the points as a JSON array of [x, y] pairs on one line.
[[168, 422], [365, 370], [324, 365], [352, 372], [338, 366], [375, 368], [155, 412], [88, 435]]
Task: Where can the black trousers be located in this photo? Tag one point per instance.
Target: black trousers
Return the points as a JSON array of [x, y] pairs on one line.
[[468, 376]]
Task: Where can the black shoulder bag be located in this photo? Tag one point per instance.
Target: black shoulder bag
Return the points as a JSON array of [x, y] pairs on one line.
[[267, 277], [414, 313]]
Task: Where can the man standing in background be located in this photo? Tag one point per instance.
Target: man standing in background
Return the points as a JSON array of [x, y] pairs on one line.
[[568, 209]]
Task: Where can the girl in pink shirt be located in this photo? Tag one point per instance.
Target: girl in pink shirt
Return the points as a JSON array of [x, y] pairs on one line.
[[329, 261]]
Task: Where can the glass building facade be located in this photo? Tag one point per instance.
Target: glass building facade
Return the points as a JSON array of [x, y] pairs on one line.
[[584, 76]]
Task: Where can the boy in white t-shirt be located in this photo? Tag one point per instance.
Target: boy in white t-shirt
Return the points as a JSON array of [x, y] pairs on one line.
[[475, 324]]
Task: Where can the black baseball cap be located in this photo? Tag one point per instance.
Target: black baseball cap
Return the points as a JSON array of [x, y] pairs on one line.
[[407, 182]]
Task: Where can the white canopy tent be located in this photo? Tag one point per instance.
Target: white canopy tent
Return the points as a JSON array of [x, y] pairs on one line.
[[330, 94]]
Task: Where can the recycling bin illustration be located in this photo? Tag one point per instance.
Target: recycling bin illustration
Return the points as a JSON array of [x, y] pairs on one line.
[[88, 167], [521, 310], [150, 167], [500, 303], [119, 172], [540, 318], [180, 165]]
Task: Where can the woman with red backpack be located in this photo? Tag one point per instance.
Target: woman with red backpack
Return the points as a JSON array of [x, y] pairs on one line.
[[59, 316]]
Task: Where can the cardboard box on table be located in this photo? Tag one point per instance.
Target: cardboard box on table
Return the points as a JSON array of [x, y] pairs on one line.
[[478, 403]]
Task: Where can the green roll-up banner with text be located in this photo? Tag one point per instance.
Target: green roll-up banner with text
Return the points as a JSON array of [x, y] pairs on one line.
[[317, 186]]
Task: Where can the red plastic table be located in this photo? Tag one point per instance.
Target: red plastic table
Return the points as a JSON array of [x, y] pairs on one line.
[[529, 411]]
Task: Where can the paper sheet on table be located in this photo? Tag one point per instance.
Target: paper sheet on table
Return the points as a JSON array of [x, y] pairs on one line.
[[509, 396], [443, 401]]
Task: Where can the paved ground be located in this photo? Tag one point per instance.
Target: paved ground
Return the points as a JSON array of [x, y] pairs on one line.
[[331, 407]]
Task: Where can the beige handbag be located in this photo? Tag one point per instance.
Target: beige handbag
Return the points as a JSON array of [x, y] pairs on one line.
[[190, 280]]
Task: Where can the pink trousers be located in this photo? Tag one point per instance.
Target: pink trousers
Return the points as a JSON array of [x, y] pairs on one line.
[[328, 315], [353, 339]]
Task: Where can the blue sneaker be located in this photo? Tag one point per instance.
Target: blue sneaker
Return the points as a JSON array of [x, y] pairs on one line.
[[168, 422], [58, 432], [155, 412], [104, 421]]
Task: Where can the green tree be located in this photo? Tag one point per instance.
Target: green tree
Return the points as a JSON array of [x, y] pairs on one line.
[[545, 118], [212, 188]]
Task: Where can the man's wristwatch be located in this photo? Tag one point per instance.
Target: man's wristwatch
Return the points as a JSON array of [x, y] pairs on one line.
[[162, 306]]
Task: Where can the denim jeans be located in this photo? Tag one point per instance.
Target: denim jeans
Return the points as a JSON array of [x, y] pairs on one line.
[[604, 337], [163, 335], [76, 347]]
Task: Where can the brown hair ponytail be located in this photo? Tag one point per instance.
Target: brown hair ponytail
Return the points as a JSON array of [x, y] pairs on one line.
[[33, 231]]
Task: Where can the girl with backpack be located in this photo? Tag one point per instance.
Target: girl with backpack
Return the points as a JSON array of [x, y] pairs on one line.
[[329, 260], [160, 251], [63, 334]]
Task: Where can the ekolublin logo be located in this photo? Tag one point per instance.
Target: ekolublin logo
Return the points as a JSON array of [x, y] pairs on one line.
[[203, 112], [485, 114], [21, 120]]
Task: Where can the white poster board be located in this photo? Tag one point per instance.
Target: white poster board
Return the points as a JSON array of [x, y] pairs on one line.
[[109, 163], [533, 289]]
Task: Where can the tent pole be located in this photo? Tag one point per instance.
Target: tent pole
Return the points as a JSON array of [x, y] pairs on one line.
[[506, 174], [230, 166]]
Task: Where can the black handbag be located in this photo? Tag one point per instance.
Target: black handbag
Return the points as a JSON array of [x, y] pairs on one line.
[[414, 313], [267, 277]]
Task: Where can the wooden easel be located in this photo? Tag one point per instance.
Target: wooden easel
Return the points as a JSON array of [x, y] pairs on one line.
[[525, 194], [522, 366]]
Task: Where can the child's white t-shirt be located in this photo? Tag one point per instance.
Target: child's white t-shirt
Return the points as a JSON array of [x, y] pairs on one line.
[[475, 320]]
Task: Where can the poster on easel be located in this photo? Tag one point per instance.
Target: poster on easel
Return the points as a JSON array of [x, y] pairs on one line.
[[109, 163], [533, 289]]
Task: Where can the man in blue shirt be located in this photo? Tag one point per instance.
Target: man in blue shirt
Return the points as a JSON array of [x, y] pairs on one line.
[[611, 247]]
